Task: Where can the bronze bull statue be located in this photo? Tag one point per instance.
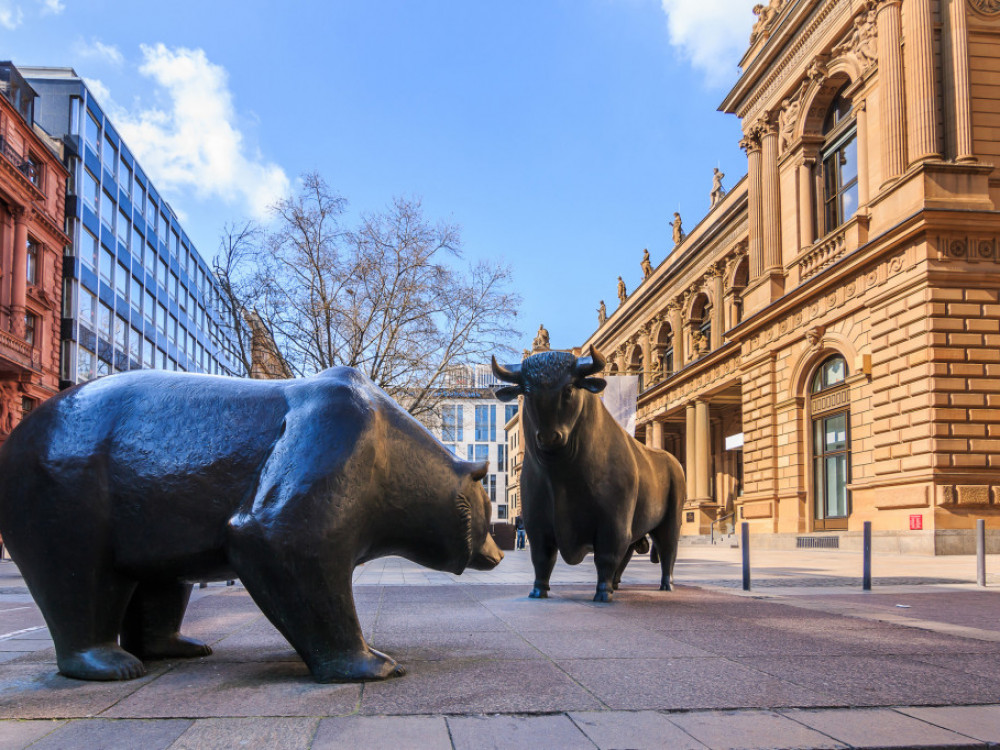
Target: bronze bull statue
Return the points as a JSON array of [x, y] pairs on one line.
[[586, 485]]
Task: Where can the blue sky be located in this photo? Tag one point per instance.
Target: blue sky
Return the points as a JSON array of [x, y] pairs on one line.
[[561, 135]]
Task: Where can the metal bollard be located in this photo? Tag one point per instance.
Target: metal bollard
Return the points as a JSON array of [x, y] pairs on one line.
[[866, 578], [981, 552], [745, 548]]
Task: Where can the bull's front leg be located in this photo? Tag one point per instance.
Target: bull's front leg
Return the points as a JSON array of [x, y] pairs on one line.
[[609, 552], [543, 560]]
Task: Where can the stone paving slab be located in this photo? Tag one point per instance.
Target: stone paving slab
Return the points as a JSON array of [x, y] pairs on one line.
[[979, 722], [638, 730], [270, 733], [751, 730], [516, 733], [409, 732], [880, 728]]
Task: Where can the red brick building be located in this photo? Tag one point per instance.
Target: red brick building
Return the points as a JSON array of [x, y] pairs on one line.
[[32, 207]]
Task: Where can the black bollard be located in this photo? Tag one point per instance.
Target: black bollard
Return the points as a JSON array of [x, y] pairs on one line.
[[981, 551], [866, 580], [745, 545]]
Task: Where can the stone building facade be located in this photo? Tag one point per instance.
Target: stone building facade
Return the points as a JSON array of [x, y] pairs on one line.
[[823, 348], [32, 201]]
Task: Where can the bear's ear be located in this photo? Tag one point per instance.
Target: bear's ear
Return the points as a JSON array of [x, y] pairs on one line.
[[477, 469], [594, 385], [508, 392]]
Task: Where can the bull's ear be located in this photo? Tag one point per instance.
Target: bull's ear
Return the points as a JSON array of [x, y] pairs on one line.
[[478, 469], [508, 392], [594, 385]]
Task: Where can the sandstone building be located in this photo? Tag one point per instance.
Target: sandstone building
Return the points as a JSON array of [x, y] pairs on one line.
[[32, 199], [823, 348]]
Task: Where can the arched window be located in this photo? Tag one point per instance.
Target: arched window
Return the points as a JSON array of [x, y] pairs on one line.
[[839, 158], [831, 446]]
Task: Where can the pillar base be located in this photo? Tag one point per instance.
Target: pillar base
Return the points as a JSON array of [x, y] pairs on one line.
[[698, 515], [762, 291]]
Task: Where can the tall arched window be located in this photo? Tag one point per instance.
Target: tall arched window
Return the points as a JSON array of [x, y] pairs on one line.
[[831, 445], [839, 158]]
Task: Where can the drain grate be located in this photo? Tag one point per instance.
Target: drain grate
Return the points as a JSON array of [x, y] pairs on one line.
[[813, 542]]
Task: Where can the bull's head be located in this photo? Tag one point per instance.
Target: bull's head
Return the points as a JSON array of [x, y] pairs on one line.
[[553, 386]]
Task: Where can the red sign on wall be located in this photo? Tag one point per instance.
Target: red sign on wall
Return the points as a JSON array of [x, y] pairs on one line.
[[916, 522]]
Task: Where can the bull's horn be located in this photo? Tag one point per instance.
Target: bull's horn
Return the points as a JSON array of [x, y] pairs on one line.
[[589, 365], [510, 374]]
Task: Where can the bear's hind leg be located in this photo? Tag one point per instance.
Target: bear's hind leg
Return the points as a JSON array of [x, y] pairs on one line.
[[151, 629], [84, 621]]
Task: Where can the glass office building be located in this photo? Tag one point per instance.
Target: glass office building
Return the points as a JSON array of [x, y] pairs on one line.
[[136, 292]]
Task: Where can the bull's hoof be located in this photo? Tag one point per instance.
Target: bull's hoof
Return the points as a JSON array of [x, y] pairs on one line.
[[103, 663], [177, 647], [537, 593], [602, 595], [666, 587], [654, 556], [615, 585], [365, 667]]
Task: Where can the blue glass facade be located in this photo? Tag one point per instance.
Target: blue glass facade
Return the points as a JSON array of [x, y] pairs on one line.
[[136, 294]]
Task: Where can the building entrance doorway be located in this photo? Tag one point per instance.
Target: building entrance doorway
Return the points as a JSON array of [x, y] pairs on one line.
[[831, 447]]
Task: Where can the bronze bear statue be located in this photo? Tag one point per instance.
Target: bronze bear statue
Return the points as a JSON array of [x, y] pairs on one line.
[[118, 494]]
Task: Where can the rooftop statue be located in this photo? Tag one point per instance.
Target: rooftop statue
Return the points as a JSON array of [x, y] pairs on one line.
[[541, 342], [622, 293], [718, 192], [602, 313], [647, 266], [586, 485], [119, 493], [678, 231]]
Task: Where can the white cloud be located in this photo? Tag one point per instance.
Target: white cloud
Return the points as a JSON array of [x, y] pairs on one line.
[[711, 34], [53, 7], [194, 142], [11, 14], [98, 50]]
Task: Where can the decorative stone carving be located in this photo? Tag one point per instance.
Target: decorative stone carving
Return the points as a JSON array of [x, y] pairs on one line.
[[815, 335], [699, 344], [788, 117], [861, 41], [718, 192], [817, 70], [766, 15], [987, 7]]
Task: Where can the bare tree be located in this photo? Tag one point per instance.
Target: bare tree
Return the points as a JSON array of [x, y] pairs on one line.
[[388, 297]]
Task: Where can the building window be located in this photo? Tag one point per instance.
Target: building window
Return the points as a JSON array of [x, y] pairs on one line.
[[490, 483], [486, 423], [478, 452], [830, 406], [451, 423], [150, 213], [88, 309], [88, 249], [32, 169], [32, 268], [91, 190], [109, 155], [123, 228], [125, 177], [85, 364], [668, 360], [107, 266], [501, 512], [93, 132], [108, 210], [839, 158], [30, 327], [135, 296], [121, 282], [27, 406], [104, 317], [508, 412]]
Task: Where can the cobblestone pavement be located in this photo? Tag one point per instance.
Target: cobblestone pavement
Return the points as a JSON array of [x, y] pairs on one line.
[[796, 662]]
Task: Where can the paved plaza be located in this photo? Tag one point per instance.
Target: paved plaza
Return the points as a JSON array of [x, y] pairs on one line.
[[806, 659]]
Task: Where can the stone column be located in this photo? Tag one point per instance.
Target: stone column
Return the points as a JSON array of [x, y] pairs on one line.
[[806, 203], [703, 447], [861, 119], [690, 445], [677, 332], [771, 195], [751, 144], [890, 65], [921, 100], [657, 430], [718, 308], [958, 57], [19, 272]]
